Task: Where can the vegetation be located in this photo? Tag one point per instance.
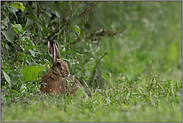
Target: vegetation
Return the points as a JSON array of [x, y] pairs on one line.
[[128, 58]]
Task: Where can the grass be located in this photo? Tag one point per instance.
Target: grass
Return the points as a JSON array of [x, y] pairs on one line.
[[143, 74], [126, 102]]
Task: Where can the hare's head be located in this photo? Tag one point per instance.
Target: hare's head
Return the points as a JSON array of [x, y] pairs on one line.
[[59, 67]]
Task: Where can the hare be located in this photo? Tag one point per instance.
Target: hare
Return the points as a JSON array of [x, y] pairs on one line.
[[55, 79]]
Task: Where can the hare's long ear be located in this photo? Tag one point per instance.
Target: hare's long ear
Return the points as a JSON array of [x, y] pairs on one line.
[[53, 51], [56, 53], [50, 49]]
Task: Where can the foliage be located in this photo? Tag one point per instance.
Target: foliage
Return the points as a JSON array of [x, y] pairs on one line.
[[129, 55], [25, 36]]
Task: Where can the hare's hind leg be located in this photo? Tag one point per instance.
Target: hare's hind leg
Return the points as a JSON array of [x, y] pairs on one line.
[[76, 85]]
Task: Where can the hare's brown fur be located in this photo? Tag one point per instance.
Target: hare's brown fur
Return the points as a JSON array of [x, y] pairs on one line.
[[52, 83]]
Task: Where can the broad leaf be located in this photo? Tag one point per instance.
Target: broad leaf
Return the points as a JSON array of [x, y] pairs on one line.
[[14, 76], [30, 73], [7, 78], [9, 36], [18, 5], [17, 28], [8, 9]]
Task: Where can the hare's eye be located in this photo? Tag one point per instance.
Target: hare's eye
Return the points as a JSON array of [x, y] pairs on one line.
[[58, 63]]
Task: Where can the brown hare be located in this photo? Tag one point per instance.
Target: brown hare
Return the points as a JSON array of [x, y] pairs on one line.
[[57, 79]]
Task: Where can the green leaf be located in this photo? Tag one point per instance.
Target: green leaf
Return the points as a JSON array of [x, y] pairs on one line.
[[23, 88], [103, 55], [29, 41], [15, 93], [18, 5], [17, 28], [14, 75], [30, 73], [32, 52], [29, 47], [77, 28], [71, 82], [7, 47], [7, 78], [8, 9], [46, 60], [9, 36], [29, 21]]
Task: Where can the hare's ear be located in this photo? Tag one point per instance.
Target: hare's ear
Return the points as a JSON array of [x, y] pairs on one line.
[[56, 51], [50, 49], [53, 51]]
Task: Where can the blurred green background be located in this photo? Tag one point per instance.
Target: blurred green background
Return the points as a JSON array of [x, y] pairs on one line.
[[151, 44], [153, 37]]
